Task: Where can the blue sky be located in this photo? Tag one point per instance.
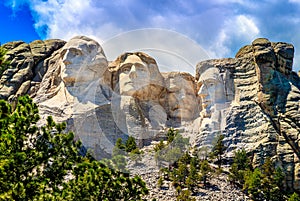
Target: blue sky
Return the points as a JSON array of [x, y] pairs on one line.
[[221, 27]]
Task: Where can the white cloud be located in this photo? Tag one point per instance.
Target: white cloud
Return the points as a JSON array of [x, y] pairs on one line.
[[294, 1], [65, 19], [228, 1], [239, 29], [219, 26], [172, 51]]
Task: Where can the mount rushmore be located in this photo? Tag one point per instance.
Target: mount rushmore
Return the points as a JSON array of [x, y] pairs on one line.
[[252, 99]]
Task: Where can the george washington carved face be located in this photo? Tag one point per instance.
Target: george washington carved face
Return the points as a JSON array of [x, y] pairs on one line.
[[83, 60]]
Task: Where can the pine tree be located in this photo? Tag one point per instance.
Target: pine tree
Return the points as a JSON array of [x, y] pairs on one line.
[[240, 165], [204, 170], [45, 164], [159, 146], [218, 149], [160, 182], [130, 144], [171, 134], [119, 148], [253, 184], [193, 174], [185, 195]]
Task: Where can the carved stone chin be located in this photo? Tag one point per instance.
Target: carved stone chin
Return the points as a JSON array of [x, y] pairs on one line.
[[252, 99]]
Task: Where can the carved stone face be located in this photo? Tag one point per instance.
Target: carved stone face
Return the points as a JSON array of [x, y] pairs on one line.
[[181, 99], [212, 88], [134, 75], [83, 60]]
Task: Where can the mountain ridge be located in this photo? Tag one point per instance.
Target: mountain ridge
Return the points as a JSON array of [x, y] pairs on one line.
[[253, 99]]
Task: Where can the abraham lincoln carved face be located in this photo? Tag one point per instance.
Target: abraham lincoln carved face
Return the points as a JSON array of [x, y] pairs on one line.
[[212, 88]]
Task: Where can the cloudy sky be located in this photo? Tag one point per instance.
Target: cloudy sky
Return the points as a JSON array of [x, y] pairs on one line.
[[220, 27]]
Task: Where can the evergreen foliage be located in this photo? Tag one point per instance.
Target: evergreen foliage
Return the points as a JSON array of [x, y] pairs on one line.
[[4, 63], [185, 195], [45, 164], [175, 148], [294, 197], [204, 170], [185, 175], [265, 183], [120, 150], [119, 144], [130, 144], [159, 146], [218, 149], [171, 134], [241, 164], [175, 153]]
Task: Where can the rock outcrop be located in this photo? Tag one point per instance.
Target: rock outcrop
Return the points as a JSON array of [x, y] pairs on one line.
[[28, 69], [264, 115], [253, 99]]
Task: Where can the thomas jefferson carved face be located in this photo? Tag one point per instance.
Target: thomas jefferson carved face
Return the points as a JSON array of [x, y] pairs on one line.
[[182, 100], [83, 60], [212, 88], [134, 75]]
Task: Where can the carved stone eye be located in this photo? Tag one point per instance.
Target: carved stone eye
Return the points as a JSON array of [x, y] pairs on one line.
[[140, 67], [63, 52], [125, 68], [76, 52]]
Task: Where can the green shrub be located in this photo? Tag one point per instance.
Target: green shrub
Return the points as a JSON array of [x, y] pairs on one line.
[[130, 144], [35, 162], [294, 197]]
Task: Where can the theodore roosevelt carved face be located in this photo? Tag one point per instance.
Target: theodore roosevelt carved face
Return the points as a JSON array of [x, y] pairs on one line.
[[181, 97]]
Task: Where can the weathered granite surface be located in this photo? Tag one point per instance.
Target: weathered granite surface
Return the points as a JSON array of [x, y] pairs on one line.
[[264, 115], [26, 62], [253, 99]]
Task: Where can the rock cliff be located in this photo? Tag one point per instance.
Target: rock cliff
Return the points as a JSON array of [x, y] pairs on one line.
[[253, 99], [264, 115]]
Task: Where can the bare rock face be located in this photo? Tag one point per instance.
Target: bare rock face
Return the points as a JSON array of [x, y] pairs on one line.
[[137, 85], [264, 115], [75, 87], [253, 99], [25, 62]]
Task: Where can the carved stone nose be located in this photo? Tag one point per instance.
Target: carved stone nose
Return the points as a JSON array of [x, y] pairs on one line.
[[182, 94], [65, 59], [67, 62], [202, 90], [132, 73]]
